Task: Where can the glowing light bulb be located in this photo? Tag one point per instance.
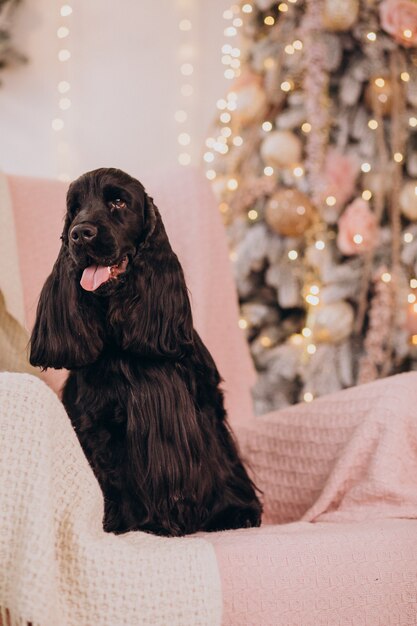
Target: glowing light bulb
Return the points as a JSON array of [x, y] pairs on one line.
[[386, 277], [185, 25], [187, 90], [293, 255], [242, 323], [366, 167], [237, 141], [230, 31], [398, 157], [320, 245], [358, 239], [267, 126], [306, 332], [232, 184], [180, 116], [371, 36], [64, 104], [366, 194], [252, 214], [184, 158], [63, 86], [65, 10], [306, 127], [57, 124], [247, 8], [331, 201], [186, 69], [308, 396], [64, 55], [379, 82], [311, 348], [269, 20], [408, 237], [413, 283], [268, 170], [184, 139], [373, 124], [62, 32]]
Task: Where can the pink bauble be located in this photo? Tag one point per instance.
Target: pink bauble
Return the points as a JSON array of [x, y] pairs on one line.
[[358, 229], [399, 19]]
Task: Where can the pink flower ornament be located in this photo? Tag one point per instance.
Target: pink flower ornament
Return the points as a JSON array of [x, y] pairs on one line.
[[339, 177], [399, 19], [358, 229]]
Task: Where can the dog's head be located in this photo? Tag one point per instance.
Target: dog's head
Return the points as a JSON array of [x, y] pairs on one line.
[[109, 216], [116, 282]]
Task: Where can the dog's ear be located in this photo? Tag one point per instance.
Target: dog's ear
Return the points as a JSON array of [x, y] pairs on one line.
[[68, 331], [156, 319]]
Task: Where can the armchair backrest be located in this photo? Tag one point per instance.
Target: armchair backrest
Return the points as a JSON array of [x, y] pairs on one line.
[[197, 236]]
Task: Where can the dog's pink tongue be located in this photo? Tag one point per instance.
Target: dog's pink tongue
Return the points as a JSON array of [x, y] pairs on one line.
[[94, 276]]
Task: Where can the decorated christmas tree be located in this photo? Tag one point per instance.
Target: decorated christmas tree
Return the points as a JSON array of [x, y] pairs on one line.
[[314, 161]]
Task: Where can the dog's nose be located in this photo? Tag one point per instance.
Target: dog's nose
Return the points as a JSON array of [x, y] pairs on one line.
[[83, 233]]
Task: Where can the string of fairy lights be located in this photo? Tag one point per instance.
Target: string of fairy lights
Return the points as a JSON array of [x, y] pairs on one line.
[[229, 136], [231, 60], [186, 57], [59, 123]]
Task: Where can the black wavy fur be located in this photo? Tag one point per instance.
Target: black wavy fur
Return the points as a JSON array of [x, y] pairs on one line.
[[143, 391]]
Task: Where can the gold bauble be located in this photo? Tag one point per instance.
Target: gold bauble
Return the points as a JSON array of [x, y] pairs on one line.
[[289, 212], [340, 15], [408, 200], [378, 95], [331, 323], [281, 148]]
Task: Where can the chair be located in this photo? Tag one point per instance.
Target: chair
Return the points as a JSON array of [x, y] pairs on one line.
[[339, 475]]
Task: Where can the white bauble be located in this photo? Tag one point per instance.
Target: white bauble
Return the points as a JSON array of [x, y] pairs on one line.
[[408, 200], [219, 186], [332, 322], [281, 148], [340, 15], [263, 5], [250, 101]]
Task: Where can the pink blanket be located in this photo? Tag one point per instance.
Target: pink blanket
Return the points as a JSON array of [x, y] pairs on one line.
[[347, 463]]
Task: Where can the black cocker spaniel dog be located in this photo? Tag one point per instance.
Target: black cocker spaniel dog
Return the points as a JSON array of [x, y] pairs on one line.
[[143, 391]]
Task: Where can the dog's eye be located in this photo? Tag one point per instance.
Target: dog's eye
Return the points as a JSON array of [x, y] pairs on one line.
[[117, 203]]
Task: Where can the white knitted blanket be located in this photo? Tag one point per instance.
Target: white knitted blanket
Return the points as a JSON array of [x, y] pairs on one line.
[[57, 566]]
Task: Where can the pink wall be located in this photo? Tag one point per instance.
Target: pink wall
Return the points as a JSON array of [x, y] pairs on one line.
[[125, 85]]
